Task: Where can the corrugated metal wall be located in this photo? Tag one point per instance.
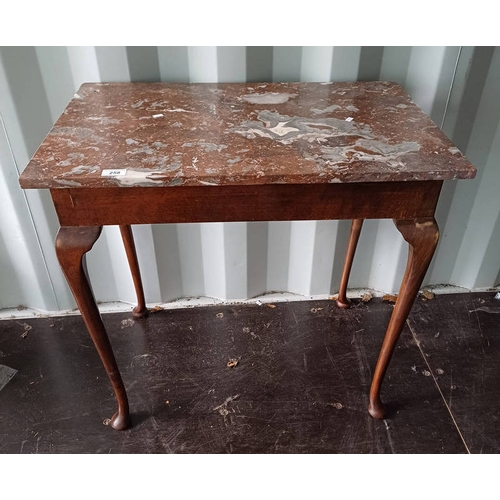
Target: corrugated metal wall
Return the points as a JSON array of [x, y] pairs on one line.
[[458, 87]]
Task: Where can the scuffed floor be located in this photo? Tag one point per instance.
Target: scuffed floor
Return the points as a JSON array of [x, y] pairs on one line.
[[293, 378]]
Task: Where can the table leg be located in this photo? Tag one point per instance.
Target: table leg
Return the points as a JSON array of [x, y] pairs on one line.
[[140, 311], [72, 243], [422, 236], [342, 300]]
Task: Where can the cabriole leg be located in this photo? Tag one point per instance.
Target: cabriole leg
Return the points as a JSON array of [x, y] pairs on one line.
[[140, 311], [72, 243], [422, 236], [342, 300]]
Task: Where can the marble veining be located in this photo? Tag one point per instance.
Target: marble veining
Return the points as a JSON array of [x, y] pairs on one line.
[[289, 129], [161, 134], [268, 97]]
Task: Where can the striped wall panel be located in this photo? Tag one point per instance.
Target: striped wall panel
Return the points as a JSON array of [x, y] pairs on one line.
[[459, 87]]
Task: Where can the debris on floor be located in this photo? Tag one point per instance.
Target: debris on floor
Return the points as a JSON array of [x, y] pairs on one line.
[[427, 373], [314, 310], [222, 409], [232, 363], [390, 298], [439, 371], [156, 309], [497, 296], [427, 295], [491, 310], [271, 306], [126, 323], [334, 297], [366, 297], [338, 406], [27, 328], [258, 302], [220, 315], [254, 336], [145, 360], [106, 421]]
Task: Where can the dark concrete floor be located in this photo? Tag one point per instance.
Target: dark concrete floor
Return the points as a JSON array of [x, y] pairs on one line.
[[300, 384]]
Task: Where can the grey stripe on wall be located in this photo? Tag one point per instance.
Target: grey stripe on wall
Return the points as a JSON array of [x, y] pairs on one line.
[[259, 64], [28, 94], [477, 72], [395, 62], [57, 77], [173, 64], [443, 89], [345, 64], [190, 247], [143, 64], [286, 64], [113, 64], [468, 197], [370, 62], [469, 80], [257, 238]]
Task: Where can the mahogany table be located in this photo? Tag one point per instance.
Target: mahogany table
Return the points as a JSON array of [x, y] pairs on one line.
[[146, 153]]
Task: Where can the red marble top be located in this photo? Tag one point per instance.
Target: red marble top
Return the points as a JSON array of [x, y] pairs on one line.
[[158, 134]]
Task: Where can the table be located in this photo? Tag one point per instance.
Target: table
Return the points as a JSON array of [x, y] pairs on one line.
[[147, 153]]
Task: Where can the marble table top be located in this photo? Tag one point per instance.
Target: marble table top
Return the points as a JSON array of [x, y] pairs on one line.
[[159, 134]]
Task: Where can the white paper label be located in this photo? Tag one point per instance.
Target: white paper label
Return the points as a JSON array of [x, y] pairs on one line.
[[350, 119], [113, 172]]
